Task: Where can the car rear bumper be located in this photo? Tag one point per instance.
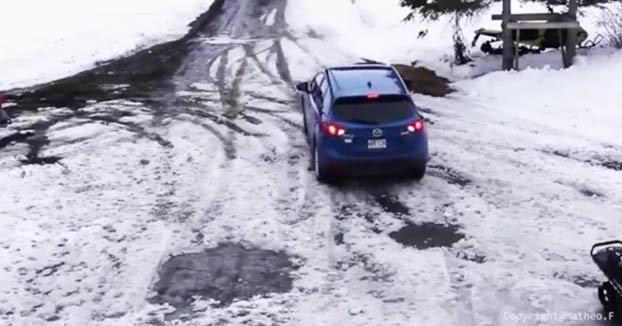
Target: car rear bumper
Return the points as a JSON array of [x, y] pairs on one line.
[[386, 167], [338, 164]]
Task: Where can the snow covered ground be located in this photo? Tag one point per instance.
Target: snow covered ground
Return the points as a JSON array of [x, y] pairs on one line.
[[525, 164], [47, 40]]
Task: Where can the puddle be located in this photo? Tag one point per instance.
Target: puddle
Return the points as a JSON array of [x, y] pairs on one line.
[[224, 273], [427, 235]]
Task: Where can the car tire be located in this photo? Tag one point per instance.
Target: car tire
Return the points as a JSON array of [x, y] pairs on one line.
[[320, 173], [418, 172], [305, 128]]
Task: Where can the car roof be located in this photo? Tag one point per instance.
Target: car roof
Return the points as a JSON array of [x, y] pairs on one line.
[[362, 79]]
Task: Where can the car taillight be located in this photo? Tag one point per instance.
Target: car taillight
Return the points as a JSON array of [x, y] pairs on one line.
[[333, 129], [415, 126], [373, 95]]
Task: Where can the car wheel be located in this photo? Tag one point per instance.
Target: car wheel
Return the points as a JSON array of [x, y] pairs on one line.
[[320, 173], [305, 128], [419, 172]]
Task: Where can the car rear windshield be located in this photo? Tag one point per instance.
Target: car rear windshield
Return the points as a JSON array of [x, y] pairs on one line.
[[373, 112]]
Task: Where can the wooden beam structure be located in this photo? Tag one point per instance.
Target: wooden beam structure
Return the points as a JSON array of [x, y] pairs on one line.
[[517, 22], [518, 26], [543, 25], [534, 17]]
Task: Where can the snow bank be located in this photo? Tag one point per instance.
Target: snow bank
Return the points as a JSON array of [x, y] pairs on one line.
[[46, 40], [583, 100]]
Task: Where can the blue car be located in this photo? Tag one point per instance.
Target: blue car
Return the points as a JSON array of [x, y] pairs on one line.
[[360, 120]]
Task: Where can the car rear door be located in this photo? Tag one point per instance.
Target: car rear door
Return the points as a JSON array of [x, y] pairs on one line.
[[376, 126]]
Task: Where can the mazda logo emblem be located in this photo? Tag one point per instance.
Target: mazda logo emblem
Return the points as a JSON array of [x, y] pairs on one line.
[[376, 132]]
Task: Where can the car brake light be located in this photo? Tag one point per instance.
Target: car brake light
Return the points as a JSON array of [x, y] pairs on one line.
[[373, 95], [415, 126], [333, 129]]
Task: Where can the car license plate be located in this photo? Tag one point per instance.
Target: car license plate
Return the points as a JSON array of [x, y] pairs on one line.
[[377, 143]]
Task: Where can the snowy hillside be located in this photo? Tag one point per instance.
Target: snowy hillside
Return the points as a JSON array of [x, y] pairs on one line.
[[375, 29], [47, 40]]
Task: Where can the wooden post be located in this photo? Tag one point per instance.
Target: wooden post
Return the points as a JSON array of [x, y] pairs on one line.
[[507, 34], [571, 36], [562, 46], [516, 49]]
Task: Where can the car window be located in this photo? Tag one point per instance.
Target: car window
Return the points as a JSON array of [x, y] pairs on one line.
[[326, 93], [312, 85], [318, 94], [387, 109], [319, 79], [360, 81]]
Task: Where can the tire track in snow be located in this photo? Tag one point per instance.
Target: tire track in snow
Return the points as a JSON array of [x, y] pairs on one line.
[[281, 63], [442, 232], [250, 53]]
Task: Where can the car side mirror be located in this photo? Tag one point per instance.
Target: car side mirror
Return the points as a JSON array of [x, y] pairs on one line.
[[303, 87]]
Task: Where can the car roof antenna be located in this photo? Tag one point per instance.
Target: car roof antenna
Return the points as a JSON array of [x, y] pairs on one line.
[[369, 84]]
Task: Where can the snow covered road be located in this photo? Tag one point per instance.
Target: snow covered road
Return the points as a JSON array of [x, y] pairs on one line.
[[100, 192]]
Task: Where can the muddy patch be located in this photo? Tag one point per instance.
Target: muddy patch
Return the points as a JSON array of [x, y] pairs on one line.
[[602, 160], [224, 274], [583, 281], [450, 175], [377, 272], [251, 119], [474, 258], [391, 204], [18, 137], [424, 81], [591, 193], [609, 163], [338, 239], [557, 152], [41, 160], [427, 235], [585, 190]]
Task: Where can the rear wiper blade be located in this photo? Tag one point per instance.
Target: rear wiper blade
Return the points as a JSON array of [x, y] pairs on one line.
[[363, 122]]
